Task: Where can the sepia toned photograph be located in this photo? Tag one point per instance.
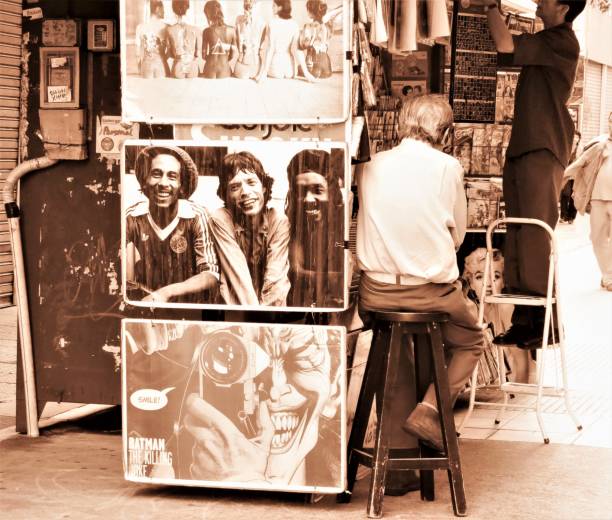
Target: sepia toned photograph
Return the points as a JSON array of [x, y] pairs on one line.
[[306, 259], [248, 406], [234, 61], [248, 225]]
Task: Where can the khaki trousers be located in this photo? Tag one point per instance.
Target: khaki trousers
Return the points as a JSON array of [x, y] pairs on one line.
[[601, 237], [463, 337]]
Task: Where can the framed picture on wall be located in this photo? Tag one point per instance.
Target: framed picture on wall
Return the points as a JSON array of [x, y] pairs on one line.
[[414, 65], [59, 77], [191, 387], [100, 35], [193, 62], [257, 225], [61, 32]]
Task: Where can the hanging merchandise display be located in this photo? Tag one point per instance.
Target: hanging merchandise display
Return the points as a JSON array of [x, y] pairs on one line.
[[482, 95], [400, 26], [473, 67]]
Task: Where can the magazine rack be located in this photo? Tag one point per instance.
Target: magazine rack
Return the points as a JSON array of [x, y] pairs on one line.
[[557, 347]]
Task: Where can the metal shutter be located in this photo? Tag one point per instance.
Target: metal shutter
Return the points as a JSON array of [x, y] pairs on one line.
[[10, 70], [592, 101], [608, 102]]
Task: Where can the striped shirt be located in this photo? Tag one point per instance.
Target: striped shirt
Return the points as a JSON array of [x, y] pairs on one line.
[[173, 254]]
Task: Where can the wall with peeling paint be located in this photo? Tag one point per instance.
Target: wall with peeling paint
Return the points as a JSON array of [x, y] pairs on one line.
[[71, 226]]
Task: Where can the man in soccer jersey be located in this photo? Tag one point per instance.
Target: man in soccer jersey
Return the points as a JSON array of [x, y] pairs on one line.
[[170, 255]]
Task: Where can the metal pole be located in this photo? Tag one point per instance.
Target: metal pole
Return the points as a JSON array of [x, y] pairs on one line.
[[23, 314]]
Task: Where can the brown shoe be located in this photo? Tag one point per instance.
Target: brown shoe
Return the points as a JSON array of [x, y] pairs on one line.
[[398, 483], [424, 423]]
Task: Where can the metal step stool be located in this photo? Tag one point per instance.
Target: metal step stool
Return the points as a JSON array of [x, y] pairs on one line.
[[557, 346]]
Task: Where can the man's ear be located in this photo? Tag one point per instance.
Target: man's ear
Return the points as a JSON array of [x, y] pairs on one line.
[[563, 9]]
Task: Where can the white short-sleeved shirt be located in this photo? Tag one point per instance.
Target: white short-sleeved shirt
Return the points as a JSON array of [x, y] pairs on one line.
[[412, 213]]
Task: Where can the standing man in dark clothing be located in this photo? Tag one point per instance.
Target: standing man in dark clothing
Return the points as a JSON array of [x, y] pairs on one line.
[[539, 149]]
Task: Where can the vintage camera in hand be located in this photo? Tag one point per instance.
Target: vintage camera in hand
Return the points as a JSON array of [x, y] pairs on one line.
[[228, 364]]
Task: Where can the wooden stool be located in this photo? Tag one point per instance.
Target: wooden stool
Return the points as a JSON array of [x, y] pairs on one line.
[[422, 332]]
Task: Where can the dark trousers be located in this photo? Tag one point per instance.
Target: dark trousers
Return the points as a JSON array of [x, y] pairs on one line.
[[532, 185], [566, 204]]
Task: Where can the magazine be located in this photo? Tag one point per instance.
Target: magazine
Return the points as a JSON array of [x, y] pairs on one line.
[[462, 145], [496, 150], [483, 196], [479, 163]]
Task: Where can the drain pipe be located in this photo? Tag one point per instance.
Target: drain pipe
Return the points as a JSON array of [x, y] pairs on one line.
[[23, 313]]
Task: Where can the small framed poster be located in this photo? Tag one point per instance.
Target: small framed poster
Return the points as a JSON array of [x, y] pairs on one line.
[[59, 77], [61, 32], [406, 87], [100, 35]]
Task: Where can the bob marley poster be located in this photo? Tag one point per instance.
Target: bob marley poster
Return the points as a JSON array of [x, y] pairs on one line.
[[244, 225], [235, 61], [227, 405]]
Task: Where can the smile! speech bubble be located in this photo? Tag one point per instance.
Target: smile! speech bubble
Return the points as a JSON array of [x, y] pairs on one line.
[[150, 399]]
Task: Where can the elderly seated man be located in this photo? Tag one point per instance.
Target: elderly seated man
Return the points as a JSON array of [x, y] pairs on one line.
[[411, 220]]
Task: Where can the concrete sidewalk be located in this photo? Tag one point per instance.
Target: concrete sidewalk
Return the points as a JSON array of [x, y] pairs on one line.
[[74, 469]]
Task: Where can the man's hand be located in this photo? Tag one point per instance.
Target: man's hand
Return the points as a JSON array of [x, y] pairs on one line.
[[156, 296], [497, 25], [221, 452], [147, 336]]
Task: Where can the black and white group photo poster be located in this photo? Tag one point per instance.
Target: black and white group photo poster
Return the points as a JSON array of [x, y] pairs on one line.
[[234, 405], [235, 61], [235, 225]]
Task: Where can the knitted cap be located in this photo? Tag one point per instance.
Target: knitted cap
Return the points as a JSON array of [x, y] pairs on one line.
[[189, 171]]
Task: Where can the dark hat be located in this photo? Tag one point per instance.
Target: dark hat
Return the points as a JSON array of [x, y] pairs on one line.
[[189, 171]]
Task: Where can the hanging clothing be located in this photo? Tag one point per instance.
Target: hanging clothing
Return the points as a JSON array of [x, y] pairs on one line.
[[437, 19], [379, 29], [405, 37], [402, 24]]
